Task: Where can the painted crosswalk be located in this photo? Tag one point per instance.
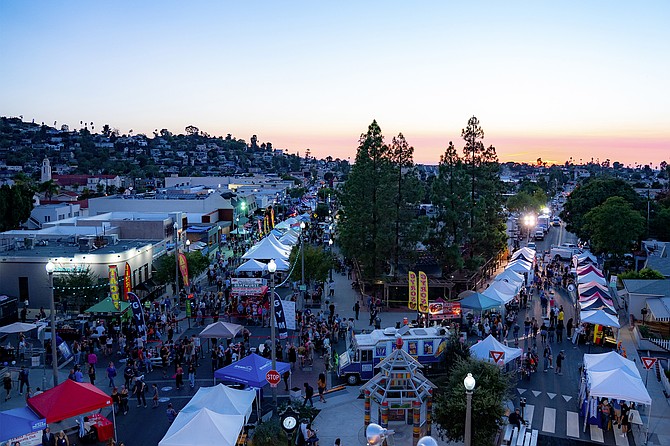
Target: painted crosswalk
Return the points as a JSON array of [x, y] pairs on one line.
[[549, 420], [597, 434], [572, 424], [620, 438], [539, 393]]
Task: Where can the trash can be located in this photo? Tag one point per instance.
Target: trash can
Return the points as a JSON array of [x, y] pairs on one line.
[[295, 393], [35, 360]]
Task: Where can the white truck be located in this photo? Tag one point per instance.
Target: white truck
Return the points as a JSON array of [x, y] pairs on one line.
[[563, 252], [543, 222]]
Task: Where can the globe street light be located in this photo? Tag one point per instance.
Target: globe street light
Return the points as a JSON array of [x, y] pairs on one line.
[[330, 246], [469, 383], [426, 441], [272, 268], [50, 267], [375, 434], [188, 245]]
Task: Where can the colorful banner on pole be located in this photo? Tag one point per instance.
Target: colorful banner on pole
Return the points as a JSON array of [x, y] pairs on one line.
[[423, 292], [272, 216], [183, 268], [280, 318], [260, 227], [127, 282], [114, 286], [138, 314], [413, 290]]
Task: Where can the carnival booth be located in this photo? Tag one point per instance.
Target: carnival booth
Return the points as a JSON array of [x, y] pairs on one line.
[[493, 351], [21, 425], [252, 266], [613, 377], [203, 428], [69, 399], [510, 276], [223, 400], [250, 371]]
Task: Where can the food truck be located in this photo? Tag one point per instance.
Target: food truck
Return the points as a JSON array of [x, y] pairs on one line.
[[357, 364]]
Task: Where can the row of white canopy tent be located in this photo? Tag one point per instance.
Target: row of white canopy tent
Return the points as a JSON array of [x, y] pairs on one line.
[[610, 375], [271, 247], [595, 303], [508, 283], [214, 416]]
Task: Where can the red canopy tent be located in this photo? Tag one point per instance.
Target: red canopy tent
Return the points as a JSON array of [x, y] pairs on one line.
[[68, 400]]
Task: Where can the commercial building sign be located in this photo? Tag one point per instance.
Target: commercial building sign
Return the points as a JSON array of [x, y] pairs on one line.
[[114, 286], [127, 282]]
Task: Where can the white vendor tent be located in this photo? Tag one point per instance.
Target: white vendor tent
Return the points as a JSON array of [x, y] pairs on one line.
[[588, 285], [288, 239], [275, 241], [223, 400], [17, 327], [511, 277], [525, 252], [587, 269], [252, 266], [497, 294], [592, 277], [599, 317], [266, 250], [203, 428], [519, 266], [221, 330], [282, 265], [506, 287], [618, 384], [481, 350], [604, 362]]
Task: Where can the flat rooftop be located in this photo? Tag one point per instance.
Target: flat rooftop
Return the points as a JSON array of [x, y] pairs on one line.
[[63, 249]]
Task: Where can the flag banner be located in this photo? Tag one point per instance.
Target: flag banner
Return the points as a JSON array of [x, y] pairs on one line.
[[265, 224], [138, 314], [127, 282], [413, 290], [183, 268], [280, 318], [114, 286], [260, 227], [289, 312], [423, 292], [272, 217]]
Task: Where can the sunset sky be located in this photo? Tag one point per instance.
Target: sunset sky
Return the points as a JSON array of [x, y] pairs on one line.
[[549, 80]]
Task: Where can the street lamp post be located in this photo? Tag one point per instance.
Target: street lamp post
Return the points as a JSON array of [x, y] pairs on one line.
[[176, 264], [272, 267], [330, 245], [188, 245], [302, 256], [50, 267], [469, 383]]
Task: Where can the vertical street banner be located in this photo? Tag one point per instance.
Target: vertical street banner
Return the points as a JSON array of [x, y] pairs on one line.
[[127, 282], [423, 292], [114, 286], [183, 268], [272, 216], [138, 314], [413, 291], [260, 227], [280, 318]]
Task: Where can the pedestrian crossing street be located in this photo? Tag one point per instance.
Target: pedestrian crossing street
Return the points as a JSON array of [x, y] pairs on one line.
[[549, 420]]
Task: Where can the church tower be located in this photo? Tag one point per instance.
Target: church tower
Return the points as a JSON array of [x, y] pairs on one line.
[[46, 171]]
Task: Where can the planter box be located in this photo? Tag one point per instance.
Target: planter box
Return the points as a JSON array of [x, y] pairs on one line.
[[295, 393]]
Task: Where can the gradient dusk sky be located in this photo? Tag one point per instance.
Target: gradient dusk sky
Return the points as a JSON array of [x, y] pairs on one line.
[[554, 80]]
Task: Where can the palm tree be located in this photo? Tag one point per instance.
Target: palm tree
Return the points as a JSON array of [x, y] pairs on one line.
[[49, 188]]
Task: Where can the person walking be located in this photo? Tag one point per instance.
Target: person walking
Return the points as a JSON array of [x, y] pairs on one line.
[[171, 413], [23, 379], [48, 439], [111, 374], [321, 386], [91, 373], [116, 400], [139, 390], [154, 397], [559, 362], [179, 377], [309, 394], [123, 398], [357, 309], [191, 374], [7, 384], [546, 355]]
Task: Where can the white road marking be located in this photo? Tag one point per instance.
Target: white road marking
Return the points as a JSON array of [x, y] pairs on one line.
[[597, 434], [549, 421], [572, 424]]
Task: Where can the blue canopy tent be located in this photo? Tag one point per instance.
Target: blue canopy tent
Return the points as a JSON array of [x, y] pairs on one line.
[[478, 301], [250, 371], [21, 421]]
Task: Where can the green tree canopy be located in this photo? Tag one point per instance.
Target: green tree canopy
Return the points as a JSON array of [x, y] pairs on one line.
[[644, 274], [591, 194], [318, 263], [487, 401], [165, 266], [80, 287], [614, 227]]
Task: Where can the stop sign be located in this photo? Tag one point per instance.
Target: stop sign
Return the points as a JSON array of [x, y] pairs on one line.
[[273, 377]]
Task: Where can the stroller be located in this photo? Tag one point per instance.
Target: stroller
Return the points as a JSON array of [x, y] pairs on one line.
[[529, 365]]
